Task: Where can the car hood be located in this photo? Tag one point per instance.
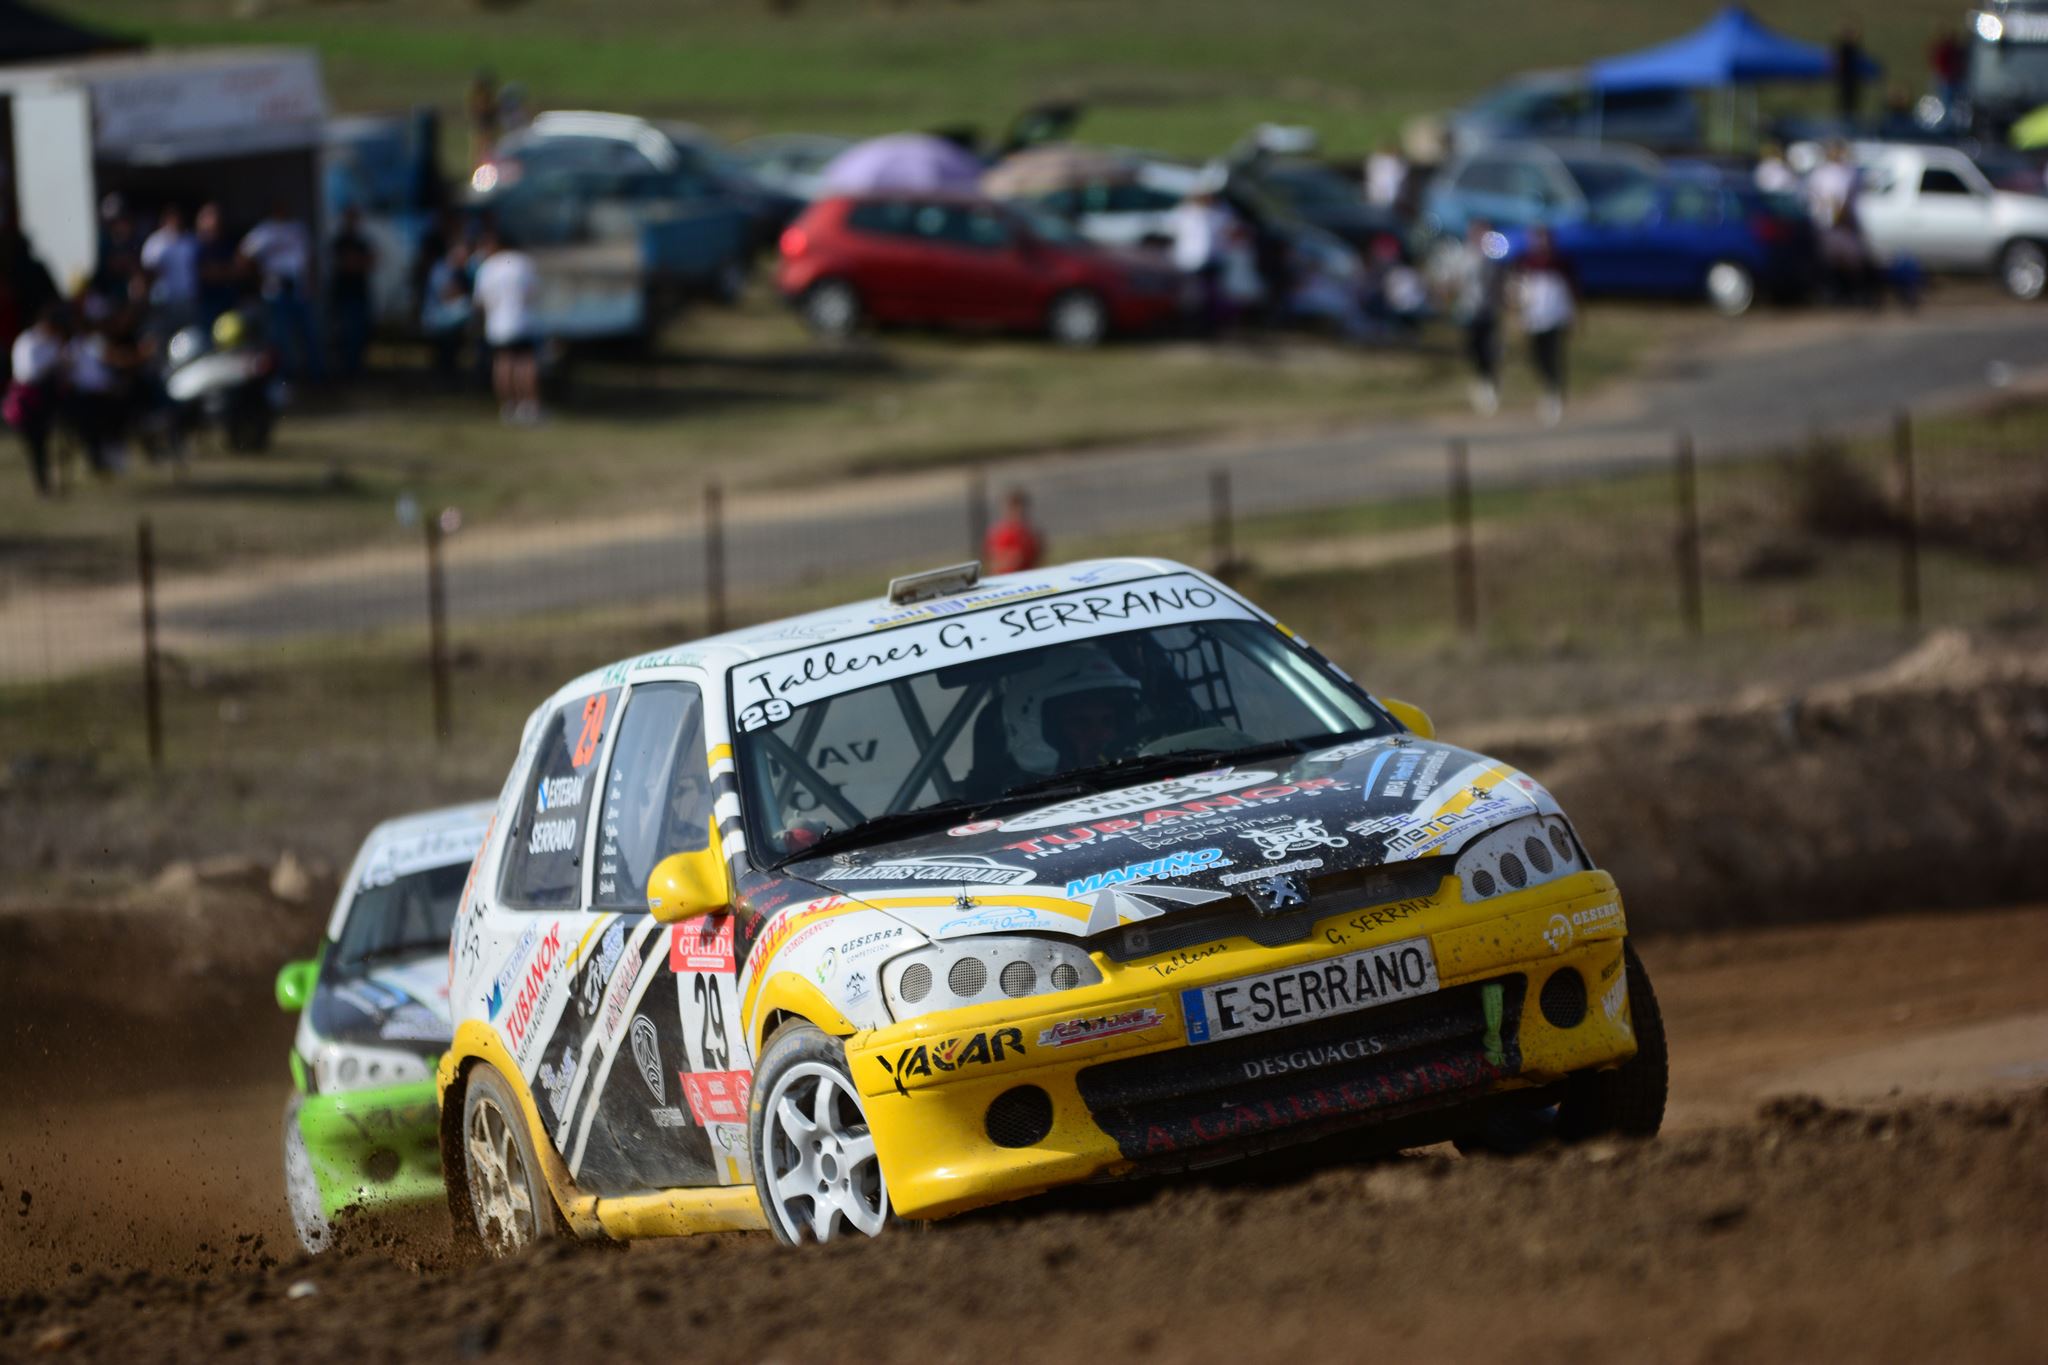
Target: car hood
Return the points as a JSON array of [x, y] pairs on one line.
[[1086, 865], [401, 1004]]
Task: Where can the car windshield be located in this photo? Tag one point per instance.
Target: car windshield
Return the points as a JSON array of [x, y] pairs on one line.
[[1600, 180], [1082, 712], [407, 916]]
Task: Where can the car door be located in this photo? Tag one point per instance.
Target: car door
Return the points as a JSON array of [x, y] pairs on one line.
[[1953, 218], [611, 1035], [880, 252], [977, 272]]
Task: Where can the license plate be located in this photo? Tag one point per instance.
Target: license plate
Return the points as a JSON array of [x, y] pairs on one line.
[[1314, 990]]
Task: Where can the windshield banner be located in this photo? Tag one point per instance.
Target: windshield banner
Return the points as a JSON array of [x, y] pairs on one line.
[[765, 691]]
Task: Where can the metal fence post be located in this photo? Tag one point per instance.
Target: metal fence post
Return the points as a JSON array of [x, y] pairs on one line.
[[1909, 519], [1690, 605], [1464, 560], [437, 632], [714, 558], [152, 684], [977, 512], [1221, 554]]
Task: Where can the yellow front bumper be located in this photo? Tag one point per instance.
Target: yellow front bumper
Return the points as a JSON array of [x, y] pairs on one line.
[[928, 1083]]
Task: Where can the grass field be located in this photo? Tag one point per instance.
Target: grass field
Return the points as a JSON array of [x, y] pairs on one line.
[[1187, 76]]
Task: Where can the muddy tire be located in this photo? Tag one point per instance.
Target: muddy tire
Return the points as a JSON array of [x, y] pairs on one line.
[[1627, 1101], [2023, 268], [301, 1189], [508, 1197], [815, 1166]]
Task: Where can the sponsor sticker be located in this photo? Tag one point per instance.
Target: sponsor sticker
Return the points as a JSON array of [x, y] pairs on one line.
[[1313, 990], [703, 943], [1154, 869], [954, 1054], [717, 1096], [963, 871], [1067, 1032], [1171, 792]]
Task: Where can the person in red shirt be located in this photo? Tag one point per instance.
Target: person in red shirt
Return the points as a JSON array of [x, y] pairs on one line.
[[1013, 544]]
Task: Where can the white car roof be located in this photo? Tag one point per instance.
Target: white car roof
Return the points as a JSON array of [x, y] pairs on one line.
[[718, 653]]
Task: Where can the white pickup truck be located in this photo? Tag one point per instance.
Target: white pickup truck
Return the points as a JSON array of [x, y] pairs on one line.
[[1934, 205]]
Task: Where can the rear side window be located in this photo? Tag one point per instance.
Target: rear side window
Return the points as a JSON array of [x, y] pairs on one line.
[[544, 847], [1487, 177], [657, 798], [890, 217]]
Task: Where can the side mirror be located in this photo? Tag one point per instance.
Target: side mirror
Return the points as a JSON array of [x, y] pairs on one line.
[[685, 885], [1410, 715], [295, 984]]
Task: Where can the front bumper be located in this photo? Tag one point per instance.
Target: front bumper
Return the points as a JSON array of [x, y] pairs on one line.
[[1137, 1095], [373, 1149]]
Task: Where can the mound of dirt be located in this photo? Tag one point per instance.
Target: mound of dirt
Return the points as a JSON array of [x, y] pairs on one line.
[[1808, 1232], [1917, 785]]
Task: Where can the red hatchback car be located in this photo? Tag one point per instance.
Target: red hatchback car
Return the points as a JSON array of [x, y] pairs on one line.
[[959, 261]]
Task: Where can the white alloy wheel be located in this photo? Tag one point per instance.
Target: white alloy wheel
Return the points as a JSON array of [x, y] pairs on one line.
[[1730, 288], [832, 309], [821, 1171], [2023, 269], [1078, 318], [500, 1192]]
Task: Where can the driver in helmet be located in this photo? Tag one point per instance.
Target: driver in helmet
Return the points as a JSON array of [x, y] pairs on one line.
[[1072, 709]]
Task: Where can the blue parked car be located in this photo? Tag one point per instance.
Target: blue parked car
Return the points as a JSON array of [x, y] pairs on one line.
[[1521, 184], [1690, 235]]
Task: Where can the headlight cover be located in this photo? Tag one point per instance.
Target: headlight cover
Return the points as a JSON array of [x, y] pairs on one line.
[[1518, 855], [339, 1067], [974, 971]]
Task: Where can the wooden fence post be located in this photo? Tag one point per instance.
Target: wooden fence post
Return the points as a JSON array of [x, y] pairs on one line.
[[152, 683], [1690, 604]]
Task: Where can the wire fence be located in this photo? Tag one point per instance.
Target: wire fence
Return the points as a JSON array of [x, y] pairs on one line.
[[1476, 546]]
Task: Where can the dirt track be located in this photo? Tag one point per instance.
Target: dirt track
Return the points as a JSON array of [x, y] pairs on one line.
[[1759, 1227]]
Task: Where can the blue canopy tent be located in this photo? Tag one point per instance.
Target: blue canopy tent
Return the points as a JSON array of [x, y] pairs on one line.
[[1732, 48]]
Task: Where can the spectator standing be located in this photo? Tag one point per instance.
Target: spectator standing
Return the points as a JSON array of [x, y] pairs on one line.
[[1949, 59], [1013, 544], [1200, 227], [1831, 199], [220, 269], [1848, 72], [37, 358], [170, 255], [481, 106], [1386, 173], [446, 310], [1544, 298], [1472, 275], [280, 250], [92, 400], [504, 291], [27, 283], [352, 261]]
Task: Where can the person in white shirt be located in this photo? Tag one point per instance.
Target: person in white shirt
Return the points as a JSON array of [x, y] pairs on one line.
[[1773, 175], [1543, 296], [504, 290], [281, 252], [37, 360], [1201, 229], [171, 256], [1386, 174]]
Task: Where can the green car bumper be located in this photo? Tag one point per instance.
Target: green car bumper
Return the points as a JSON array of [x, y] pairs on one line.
[[373, 1149]]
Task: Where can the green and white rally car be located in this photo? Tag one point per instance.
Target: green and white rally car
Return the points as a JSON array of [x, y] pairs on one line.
[[359, 1128]]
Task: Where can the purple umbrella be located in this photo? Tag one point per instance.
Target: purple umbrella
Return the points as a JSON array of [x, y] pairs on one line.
[[902, 161]]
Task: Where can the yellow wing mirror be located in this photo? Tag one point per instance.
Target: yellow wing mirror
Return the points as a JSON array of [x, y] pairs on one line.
[[685, 885], [1410, 715], [295, 984]]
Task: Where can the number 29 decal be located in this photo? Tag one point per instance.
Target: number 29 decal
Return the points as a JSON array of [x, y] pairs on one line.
[[771, 712]]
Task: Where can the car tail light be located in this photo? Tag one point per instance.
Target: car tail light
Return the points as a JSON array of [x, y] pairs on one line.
[[795, 242], [1768, 228]]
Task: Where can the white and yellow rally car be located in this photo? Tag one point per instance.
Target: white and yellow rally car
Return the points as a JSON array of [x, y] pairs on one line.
[[987, 887]]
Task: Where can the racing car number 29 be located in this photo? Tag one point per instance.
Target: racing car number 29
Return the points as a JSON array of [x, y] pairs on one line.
[[1314, 990]]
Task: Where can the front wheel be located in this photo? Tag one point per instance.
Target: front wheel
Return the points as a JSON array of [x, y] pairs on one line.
[[301, 1186], [1730, 288], [1627, 1101], [1078, 318], [815, 1166], [508, 1196], [2023, 269]]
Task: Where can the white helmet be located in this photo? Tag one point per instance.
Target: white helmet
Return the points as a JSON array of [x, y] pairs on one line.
[[1063, 671]]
